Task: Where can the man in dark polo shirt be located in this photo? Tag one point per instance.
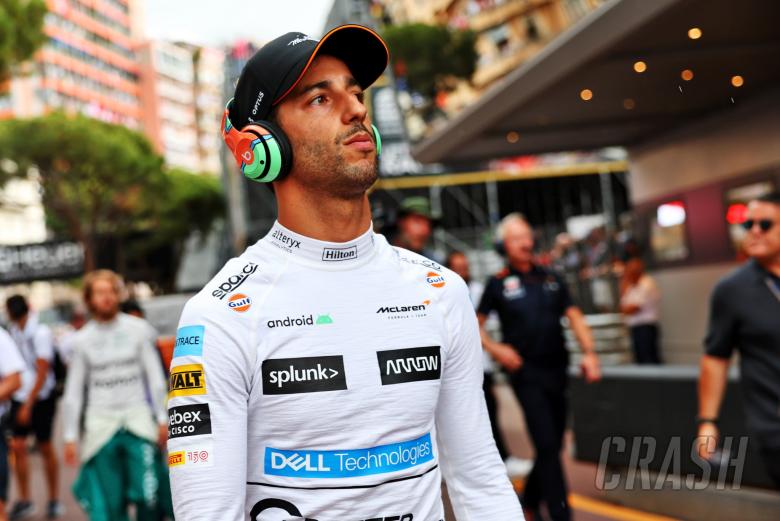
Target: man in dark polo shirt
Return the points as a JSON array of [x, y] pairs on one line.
[[530, 302], [745, 314]]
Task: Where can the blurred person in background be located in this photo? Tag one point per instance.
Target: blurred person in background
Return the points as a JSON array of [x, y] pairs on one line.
[[11, 368], [640, 302], [459, 263], [530, 302], [33, 407], [745, 315], [115, 370], [414, 226]]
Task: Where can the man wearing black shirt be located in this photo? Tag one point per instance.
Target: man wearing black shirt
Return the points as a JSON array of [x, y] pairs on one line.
[[530, 302], [745, 314]]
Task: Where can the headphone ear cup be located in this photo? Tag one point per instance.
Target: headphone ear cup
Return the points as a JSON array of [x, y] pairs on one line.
[[377, 140], [499, 247], [265, 152]]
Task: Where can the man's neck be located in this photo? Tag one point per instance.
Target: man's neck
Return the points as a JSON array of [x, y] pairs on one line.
[[104, 319], [325, 218], [522, 267]]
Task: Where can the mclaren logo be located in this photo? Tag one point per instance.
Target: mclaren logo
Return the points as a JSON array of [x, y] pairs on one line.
[[398, 312]]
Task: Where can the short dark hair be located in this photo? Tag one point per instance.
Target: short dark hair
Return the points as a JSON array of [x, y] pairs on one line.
[[17, 307], [772, 198]]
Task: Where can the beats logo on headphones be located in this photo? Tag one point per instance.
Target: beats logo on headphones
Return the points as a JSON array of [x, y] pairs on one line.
[[262, 150]]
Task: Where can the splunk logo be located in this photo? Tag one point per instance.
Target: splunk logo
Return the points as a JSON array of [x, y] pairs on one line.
[[339, 254], [309, 374], [415, 364], [234, 281], [303, 320], [284, 241], [348, 463]]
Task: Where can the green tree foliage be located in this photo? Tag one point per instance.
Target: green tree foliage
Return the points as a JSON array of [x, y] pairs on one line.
[[21, 32], [103, 180], [431, 56]]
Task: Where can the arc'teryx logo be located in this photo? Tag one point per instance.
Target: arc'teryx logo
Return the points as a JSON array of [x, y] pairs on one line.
[[284, 241], [339, 254], [234, 281], [415, 364], [309, 374]]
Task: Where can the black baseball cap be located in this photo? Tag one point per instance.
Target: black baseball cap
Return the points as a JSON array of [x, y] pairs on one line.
[[274, 71]]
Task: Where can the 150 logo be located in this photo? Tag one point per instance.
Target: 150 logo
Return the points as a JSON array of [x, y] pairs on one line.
[[303, 375], [234, 281], [413, 364]]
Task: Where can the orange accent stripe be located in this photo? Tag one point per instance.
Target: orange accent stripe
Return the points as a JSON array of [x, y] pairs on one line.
[[594, 506], [317, 48]]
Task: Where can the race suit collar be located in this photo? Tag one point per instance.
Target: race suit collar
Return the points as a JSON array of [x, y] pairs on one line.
[[341, 254]]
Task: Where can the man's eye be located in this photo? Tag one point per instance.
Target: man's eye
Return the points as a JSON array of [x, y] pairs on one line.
[[360, 96], [318, 100]]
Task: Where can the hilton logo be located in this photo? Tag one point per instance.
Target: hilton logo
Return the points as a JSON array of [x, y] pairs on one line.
[[339, 254]]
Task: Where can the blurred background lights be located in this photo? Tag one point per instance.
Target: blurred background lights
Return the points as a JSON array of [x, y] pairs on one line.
[[694, 33], [586, 94], [687, 75]]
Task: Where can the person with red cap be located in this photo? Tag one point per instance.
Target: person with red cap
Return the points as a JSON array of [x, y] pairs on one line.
[[325, 374]]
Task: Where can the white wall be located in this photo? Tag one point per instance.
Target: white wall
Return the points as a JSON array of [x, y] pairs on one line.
[[738, 141]]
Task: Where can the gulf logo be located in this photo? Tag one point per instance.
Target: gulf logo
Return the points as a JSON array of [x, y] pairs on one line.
[[435, 279], [239, 302]]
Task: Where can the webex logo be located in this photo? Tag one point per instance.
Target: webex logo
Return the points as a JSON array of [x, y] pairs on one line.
[[339, 254], [414, 364], [189, 420], [303, 375]]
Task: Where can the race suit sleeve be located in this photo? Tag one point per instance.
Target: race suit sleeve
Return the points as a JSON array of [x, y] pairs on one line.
[[73, 399], [208, 471], [476, 478]]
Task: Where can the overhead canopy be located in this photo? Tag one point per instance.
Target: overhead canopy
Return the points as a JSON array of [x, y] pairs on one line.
[[539, 107]]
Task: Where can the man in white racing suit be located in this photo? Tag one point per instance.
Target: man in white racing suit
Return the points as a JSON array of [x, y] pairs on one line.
[[325, 375]]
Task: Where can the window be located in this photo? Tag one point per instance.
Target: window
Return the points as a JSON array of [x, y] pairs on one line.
[[668, 238]]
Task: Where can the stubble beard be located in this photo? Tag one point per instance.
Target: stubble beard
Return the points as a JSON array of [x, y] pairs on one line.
[[327, 171]]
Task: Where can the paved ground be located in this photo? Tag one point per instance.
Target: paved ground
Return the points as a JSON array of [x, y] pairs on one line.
[[585, 499]]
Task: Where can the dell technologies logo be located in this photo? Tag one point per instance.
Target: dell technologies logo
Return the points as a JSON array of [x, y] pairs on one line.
[[304, 375], [234, 281], [339, 254]]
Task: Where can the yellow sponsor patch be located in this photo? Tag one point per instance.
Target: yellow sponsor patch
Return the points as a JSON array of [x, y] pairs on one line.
[[176, 458], [187, 380]]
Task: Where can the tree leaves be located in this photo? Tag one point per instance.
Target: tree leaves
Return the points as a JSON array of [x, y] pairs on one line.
[[21, 32]]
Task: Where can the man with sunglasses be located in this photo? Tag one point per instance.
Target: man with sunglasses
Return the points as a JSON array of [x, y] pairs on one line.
[[745, 314]]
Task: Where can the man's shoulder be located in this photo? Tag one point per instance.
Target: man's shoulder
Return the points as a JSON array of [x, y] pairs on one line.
[[234, 285], [737, 279], [414, 261]]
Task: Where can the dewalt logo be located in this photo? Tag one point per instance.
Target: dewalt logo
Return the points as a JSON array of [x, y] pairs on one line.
[[187, 380]]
